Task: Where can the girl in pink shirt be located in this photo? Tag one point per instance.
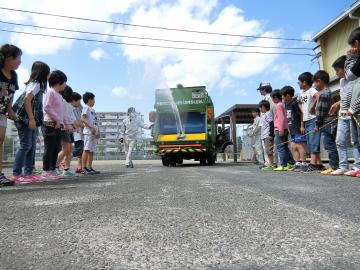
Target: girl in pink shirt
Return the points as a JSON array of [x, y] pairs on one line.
[[54, 119], [281, 133]]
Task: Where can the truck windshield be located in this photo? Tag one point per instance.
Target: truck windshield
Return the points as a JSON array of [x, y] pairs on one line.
[[192, 122]]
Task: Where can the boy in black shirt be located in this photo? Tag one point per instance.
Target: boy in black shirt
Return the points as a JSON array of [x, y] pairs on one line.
[[296, 128]]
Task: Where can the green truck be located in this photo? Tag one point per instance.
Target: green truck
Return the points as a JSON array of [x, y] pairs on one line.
[[184, 126]]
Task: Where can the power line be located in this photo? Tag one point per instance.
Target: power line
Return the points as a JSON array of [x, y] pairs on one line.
[[154, 46], [154, 39], [152, 27]]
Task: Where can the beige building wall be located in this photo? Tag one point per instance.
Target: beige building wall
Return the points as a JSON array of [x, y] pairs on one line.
[[334, 43]]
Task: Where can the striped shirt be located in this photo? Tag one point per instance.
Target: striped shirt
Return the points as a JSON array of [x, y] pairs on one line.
[[352, 74], [322, 108]]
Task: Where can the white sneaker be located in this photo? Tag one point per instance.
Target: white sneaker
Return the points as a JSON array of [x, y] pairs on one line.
[[340, 171]]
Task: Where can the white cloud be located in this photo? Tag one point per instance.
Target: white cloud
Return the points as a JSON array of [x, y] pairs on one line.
[[99, 54], [241, 92], [213, 69], [199, 67], [23, 76], [307, 35], [37, 45], [119, 91], [285, 72]]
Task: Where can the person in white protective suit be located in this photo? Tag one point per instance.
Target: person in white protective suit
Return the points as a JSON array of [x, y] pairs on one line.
[[255, 134], [130, 130]]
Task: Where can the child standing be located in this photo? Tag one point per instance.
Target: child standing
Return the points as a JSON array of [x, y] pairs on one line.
[[67, 137], [352, 73], [344, 121], [53, 123], [307, 101], [267, 134], [91, 133], [296, 128], [255, 134], [78, 133], [29, 110], [324, 121], [281, 133], [10, 60]]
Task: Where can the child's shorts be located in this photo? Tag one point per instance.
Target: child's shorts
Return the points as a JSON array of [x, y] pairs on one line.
[[90, 143], [268, 146], [313, 138], [67, 137], [298, 138], [78, 148]]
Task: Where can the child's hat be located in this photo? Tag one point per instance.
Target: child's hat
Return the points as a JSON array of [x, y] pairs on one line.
[[264, 85]]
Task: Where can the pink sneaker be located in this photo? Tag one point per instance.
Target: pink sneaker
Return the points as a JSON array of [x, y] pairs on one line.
[[35, 178], [21, 179], [56, 175], [352, 173]]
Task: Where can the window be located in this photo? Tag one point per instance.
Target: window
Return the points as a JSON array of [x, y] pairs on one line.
[[192, 122]]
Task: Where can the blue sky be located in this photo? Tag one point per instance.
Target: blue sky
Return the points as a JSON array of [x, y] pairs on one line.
[[123, 76]]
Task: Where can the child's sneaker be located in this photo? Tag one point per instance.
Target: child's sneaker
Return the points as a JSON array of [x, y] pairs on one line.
[[78, 170], [33, 178], [310, 168], [296, 168], [50, 175], [21, 179], [268, 168], [5, 182], [327, 171], [340, 171], [93, 171], [67, 173], [280, 168], [85, 171], [352, 173], [289, 167]]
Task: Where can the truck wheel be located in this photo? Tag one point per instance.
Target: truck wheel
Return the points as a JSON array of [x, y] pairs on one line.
[[165, 161], [211, 158], [203, 161], [180, 161], [172, 161]]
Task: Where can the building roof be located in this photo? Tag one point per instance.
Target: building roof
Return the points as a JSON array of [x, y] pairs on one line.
[[338, 19], [242, 113]]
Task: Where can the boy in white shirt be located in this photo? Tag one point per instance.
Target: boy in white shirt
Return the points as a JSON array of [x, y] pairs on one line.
[[91, 133], [307, 101]]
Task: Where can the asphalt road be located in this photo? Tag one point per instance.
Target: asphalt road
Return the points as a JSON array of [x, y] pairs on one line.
[[189, 217]]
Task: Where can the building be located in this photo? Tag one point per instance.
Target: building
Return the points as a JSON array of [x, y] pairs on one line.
[[108, 145], [109, 126], [332, 40]]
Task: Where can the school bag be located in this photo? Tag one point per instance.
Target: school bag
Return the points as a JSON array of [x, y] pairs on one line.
[[36, 105]]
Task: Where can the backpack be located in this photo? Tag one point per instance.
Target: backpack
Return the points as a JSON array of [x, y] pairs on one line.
[[36, 105]]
